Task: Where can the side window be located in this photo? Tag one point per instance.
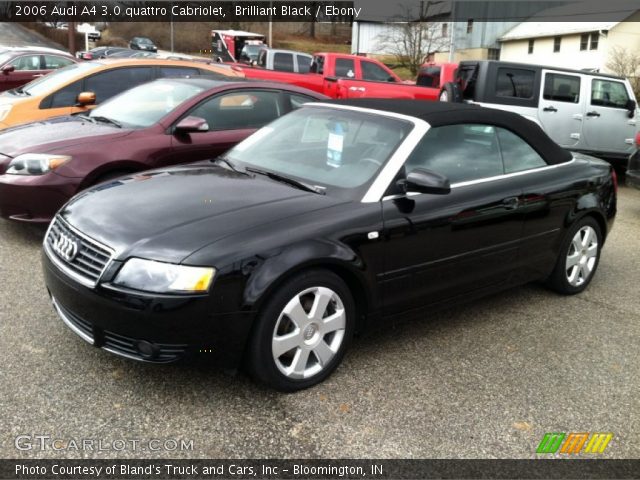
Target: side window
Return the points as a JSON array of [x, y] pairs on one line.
[[107, 84], [52, 62], [345, 68], [65, 97], [27, 62], [296, 100], [461, 152], [283, 62], [317, 66], [607, 93], [429, 77], [177, 72], [515, 82], [371, 71], [517, 154], [563, 88], [262, 59], [236, 110], [304, 63]]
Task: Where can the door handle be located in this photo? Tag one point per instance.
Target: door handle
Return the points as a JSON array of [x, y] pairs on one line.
[[593, 114], [511, 203], [550, 109]]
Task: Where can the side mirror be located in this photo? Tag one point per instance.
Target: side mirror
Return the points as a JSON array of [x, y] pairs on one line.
[[391, 79], [86, 98], [631, 106], [425, 181], [7, 69], [191, 124]]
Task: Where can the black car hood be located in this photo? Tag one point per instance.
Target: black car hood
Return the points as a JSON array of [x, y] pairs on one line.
[[58, 132], [169, 214]]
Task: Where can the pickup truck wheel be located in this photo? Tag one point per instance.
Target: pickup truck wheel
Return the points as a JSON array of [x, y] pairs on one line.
[[450, 93]]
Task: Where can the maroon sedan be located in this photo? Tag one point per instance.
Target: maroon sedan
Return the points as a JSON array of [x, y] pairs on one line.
[[161, 123], [21, 65]]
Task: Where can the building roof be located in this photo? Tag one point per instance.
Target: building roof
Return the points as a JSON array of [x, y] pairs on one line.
[[551, 29], [447, 113]]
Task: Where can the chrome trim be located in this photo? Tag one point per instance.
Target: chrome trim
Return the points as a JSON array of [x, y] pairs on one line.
[[393, 165], [63, 266], [485, 180], [126, 355], [69, 323], [509, 175]]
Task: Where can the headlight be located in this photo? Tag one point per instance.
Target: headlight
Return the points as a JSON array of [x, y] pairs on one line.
[[35, 163], [4, 111], [160, 277]]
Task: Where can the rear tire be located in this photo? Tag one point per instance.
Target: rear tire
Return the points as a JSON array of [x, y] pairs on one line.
[[578, 259], [450, 93], [302, 332]]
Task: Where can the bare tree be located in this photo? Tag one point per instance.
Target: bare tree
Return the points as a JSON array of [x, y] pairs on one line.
[[626, 63], [413, 36]]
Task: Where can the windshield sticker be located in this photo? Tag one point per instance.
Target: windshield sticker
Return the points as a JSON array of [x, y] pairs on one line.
[[335, 145]]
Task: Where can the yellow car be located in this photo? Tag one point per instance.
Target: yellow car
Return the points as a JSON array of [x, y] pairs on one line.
[[81, 86]]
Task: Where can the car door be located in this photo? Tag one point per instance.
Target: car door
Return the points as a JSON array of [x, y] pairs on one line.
[[560, 110], [607, 126], [26, 68], [231, 117], [443, 246]]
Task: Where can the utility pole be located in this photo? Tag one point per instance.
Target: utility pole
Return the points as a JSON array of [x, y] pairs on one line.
[[452, 32], [72, 37]]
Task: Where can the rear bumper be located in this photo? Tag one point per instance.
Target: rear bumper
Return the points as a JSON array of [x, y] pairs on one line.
[[157, 329], [34, 199]]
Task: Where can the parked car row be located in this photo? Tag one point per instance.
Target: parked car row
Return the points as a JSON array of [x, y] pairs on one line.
[[265, 223], [80, 86]]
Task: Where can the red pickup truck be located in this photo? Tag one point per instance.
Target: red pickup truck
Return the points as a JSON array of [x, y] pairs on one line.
[[348, 76]]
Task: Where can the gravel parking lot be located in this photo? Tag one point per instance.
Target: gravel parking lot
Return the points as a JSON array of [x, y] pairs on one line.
[[483, 380]]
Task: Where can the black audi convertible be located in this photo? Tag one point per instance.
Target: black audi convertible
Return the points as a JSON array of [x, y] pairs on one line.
[[331, 219]]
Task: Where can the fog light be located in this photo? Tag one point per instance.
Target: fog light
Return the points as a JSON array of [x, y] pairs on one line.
[[147, 349]]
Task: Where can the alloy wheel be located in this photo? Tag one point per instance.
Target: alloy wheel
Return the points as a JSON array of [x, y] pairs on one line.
[[308, 333], [582, 256]]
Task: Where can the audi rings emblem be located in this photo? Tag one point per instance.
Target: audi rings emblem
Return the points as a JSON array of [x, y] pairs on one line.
[[66, 247]]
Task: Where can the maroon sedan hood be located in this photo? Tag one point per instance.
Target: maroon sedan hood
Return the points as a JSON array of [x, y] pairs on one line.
[[53, 135]]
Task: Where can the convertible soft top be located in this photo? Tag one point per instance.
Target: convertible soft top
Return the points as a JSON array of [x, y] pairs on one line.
[[445, 113]]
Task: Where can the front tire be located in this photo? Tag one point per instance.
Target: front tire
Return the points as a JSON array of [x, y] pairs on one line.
[[302, 332], [578, 259]]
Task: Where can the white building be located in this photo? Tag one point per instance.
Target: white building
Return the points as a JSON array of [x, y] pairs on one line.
[[575, 45]]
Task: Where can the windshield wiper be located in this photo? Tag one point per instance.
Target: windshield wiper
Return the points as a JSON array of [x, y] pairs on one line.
[[230, 164], [290, 181], [106, 120], [86, 117]]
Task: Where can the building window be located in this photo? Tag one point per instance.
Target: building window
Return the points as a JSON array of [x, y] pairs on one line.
[[470, 25], [493, 54], [531, 43], [595, 36], [445, 29], [556, 44], [584, 41]]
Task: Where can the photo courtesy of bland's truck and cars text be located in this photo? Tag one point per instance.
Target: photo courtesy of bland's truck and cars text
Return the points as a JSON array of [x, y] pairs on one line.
[[295, 239]]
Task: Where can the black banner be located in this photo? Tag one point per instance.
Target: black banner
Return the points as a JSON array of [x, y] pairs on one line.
[[319, 469]]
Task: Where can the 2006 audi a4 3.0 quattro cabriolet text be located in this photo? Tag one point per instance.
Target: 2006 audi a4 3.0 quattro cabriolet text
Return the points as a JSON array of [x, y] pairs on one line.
[[330, 219]]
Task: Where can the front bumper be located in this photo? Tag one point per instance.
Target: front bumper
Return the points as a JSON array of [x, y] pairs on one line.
[[157, 329], [34, 199]]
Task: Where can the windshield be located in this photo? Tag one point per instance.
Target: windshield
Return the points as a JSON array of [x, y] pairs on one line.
[[145, 41], [145, 105], [326, 147], [57, 78]]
